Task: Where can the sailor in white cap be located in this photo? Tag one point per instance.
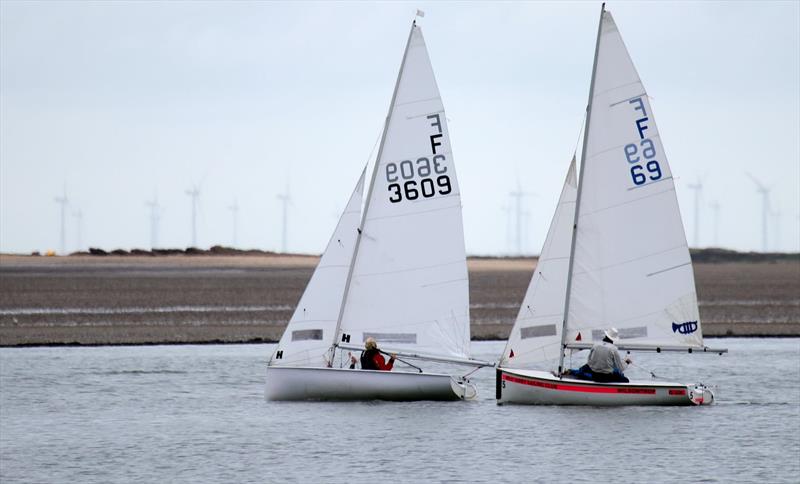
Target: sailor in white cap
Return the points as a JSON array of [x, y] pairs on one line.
[[604, 362]]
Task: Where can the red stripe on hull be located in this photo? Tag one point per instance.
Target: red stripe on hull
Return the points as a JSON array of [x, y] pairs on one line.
[[587, 388]]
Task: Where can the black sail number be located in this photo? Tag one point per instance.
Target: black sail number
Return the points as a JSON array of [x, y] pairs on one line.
[[426, 185], [411, 190], [444, 182], [425, 177], [396, 194]]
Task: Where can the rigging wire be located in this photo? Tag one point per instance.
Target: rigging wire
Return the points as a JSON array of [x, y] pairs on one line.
[[580, 132]]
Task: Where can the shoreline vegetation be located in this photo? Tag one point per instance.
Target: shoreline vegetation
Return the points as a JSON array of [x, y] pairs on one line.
[[223, 295], [711, 254]]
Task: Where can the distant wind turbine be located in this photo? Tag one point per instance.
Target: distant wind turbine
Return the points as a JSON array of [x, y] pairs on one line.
[[517, 196], [63, 201], [194, 192], [155, 218], [764, 192]]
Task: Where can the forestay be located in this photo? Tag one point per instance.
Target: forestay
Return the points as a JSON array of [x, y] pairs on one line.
[[310, 332], [632, 268], [408, 286], [536, 335]]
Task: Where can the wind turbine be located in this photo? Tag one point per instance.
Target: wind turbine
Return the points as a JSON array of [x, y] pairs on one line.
[[764, 192], [155, 217], [286, 199], [194, 192], [517, 196], [715, 208], [698, 189], [235, 209], [63, 201]]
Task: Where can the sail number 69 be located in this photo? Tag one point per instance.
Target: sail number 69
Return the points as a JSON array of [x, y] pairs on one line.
[[648, 152]]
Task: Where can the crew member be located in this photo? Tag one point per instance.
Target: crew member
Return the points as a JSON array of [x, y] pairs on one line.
[[604, 363], [371, 358]]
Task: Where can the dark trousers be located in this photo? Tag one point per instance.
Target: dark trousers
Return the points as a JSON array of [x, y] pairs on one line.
[[587, 373]]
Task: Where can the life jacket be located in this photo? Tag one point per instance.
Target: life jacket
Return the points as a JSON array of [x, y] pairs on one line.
[[368, 359]]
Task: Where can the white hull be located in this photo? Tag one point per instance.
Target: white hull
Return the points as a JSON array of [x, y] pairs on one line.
[[542, 388], [290, 383]]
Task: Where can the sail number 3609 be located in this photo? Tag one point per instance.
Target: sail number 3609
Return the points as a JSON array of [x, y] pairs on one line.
[[642, 156], [433, 179]]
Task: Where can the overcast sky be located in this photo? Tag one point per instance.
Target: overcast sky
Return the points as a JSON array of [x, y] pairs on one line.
[[117, 101]]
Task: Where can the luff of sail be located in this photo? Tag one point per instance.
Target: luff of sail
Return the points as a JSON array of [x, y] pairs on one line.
[[536, 334], [631, 266], [408, 286], [308, 337]]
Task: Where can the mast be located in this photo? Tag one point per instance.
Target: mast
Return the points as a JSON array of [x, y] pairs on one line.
[[369, 194], [578, 196]]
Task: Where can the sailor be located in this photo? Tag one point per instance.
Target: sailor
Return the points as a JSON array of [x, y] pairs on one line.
[[371, 358], [604, 363]]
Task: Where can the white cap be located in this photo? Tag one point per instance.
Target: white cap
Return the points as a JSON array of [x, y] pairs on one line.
[[612, 334]]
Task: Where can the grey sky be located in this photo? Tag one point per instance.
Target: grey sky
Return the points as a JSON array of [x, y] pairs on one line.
[[116, 100]]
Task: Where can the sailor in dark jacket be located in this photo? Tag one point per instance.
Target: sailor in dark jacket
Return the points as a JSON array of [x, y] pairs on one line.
[[371, 358]]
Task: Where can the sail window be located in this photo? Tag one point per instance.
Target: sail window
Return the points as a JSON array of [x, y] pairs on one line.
[[409, 338], [306, 334], [537, 331], [624, 333]]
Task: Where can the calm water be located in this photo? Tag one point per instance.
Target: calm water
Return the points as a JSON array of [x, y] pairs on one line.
[[197, 414]]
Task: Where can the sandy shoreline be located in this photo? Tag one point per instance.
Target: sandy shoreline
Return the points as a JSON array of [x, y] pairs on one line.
[[181, 299]]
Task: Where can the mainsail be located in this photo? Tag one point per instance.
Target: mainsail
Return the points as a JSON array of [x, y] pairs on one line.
[[408, 287], [631, 266], [310, 331], [536, 335]]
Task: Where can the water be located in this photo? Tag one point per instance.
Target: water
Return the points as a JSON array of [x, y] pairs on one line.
[[197, 414]]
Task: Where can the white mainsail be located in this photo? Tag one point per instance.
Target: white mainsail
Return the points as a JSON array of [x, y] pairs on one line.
[[631, 265], [409, 286], [536, 335], [308, 337]]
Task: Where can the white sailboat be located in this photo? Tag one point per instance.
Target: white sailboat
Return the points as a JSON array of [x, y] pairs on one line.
[[615, 256], [395, 271]]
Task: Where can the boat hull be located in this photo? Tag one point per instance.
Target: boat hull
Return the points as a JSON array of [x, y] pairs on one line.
[[296, 384], [542, 388]]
